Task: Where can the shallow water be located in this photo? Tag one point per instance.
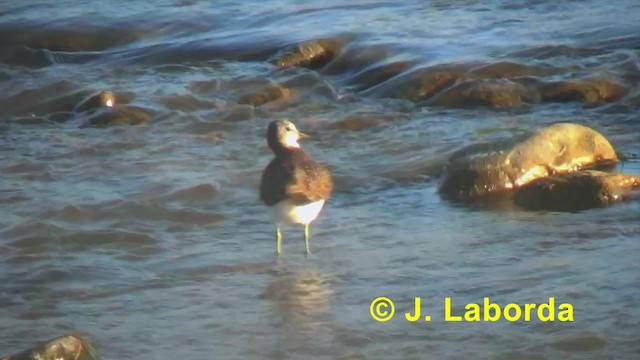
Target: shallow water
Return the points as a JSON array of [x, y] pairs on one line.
[[151, 238]]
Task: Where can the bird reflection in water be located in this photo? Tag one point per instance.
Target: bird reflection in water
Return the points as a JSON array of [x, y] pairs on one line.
[[302, 301]]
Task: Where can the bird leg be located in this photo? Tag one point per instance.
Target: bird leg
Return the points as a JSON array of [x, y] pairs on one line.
[[306, 238], [278, 240]]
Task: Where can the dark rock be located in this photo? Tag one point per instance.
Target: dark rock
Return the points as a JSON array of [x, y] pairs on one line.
[[67, 347], [487, 168], [575, 191]]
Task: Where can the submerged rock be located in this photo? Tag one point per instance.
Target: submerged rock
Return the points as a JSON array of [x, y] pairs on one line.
[[421, 83], [67, 347], [506, 69], [489, 168], [591, 92], [121, 115], [495, 93], [270, 93], [576, 191]]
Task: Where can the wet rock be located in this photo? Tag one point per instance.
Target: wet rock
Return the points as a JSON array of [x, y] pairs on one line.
[[121, 115], [591, 92], [270, 93], [311, 54], [422, 83], [67, 347], [489, 168], [575, 191], [102, 99], [494, 93]]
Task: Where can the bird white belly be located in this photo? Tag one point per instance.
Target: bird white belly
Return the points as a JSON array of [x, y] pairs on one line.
[[286, 212]]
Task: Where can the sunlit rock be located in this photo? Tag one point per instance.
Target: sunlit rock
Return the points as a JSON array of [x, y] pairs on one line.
[[67, 347], [575, 191], [487, 168], [311, 54]]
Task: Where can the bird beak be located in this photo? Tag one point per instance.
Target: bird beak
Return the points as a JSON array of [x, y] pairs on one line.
[[303, 135]]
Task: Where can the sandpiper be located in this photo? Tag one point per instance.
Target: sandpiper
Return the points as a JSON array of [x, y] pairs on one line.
[[293, 185]]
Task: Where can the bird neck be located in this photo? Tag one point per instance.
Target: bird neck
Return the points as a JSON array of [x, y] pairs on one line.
[[282, 150]]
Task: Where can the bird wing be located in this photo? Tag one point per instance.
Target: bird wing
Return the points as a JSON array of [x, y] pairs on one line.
[[310, 182], [274, 182], [295, 177]]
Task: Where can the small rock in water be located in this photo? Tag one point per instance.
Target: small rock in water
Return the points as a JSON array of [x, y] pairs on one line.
[[486, 168]]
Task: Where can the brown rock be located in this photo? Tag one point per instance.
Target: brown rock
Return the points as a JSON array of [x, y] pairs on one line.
[[68, 347], [591, 92], [488, 168], [575, 191], [495, 93]]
